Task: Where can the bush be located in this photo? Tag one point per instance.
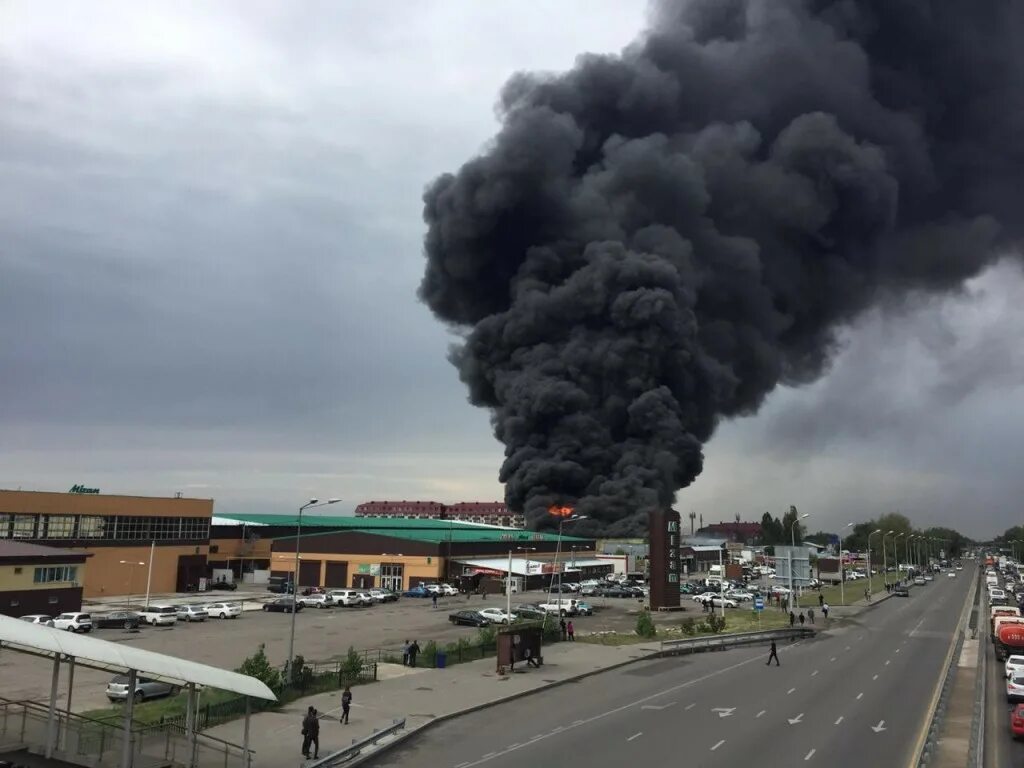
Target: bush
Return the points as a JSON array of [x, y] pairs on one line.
[[716, 623], [430, 653], [352, 665], [259, 667], [551, 632], [645, 625], [689, 626], [486, 637]]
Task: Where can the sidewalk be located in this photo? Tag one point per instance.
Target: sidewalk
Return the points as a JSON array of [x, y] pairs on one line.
[[419, 695]]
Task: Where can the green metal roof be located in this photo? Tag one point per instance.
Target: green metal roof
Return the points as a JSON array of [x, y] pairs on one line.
[[415, 529]]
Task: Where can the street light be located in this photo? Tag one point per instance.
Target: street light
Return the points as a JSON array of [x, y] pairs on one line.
[[558, 551], [132, 563], [870, 576], [792, 540], [885, 560], [508, 577], [842, 575], [295, 580], [896, 553]]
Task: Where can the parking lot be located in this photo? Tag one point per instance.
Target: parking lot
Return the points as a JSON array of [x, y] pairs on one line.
[[320, 635]]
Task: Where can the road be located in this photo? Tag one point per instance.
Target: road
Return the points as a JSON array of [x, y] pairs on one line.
[[855, 696]]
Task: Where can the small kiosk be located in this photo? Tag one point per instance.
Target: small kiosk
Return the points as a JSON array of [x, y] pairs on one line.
[[515, 641]]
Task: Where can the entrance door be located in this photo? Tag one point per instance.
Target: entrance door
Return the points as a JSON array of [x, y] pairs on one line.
[[391, 576], [309, 573]]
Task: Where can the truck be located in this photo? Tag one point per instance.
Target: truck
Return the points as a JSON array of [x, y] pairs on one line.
[[1009, 636], [995, 612]]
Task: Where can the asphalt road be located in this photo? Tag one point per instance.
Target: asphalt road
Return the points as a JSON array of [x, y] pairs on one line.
[[855, 696]]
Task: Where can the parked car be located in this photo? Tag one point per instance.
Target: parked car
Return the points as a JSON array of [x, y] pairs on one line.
[[497, 616], [38, 618], [306, 591], [559, 607], [528, 612], [997, 597], [1014, 666], [614, 591], [383, 595], [1017, 721], [74, 622], [159, 615], [117, 689], [349, 597], [584, 609], [223, 584], [740, 596], [316, 600], [901, 590], [468, 618], [118, 620], [1015, 688], [282, 605], [717, 601], [365, 599], [919, 581], [417, 592], [190, 613], [448, 590], [224, 610]]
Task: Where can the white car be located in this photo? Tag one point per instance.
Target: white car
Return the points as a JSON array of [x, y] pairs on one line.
[[38, 618], [996, 596], [559, 607], [449, 590], [718, 601], [223, 610], [1014, 666], [345, 597], [316, 600], [74, 622], [1015, 688], [378, 595], [496, 615], [365, 598], [952, 574], [703, 597], [740, 596], [159, 615]]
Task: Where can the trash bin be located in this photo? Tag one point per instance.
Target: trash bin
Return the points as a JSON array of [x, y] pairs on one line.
[[441, 660]]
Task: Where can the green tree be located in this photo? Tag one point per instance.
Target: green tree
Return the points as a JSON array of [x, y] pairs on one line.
[[645, 625], [258, 666], [352, 665]]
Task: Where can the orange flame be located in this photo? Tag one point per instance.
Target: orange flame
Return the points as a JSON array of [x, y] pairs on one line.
[[558, 511]]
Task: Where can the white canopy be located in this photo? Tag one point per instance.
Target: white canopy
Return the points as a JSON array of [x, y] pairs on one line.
[[117, 657]]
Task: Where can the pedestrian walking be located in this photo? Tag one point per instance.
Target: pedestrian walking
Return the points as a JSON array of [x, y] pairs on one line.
[[773, 655], [414, 649], [562, 626], [825, 608], [821, 600], [529, 657], [792, 618], [346, 704], [810, 615], [572, 632], [405, 654], [802, 618], [433, 599], [311, 733]]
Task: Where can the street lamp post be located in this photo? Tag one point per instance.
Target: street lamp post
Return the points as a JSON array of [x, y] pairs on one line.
[[558, 551], [842, 575], [792, 541], [295, 581], [885, 560], [508, 577], [870, 576], [131, 572], [896, 554]]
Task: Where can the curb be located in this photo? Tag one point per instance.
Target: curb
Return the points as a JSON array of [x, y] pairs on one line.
[[398, 740]]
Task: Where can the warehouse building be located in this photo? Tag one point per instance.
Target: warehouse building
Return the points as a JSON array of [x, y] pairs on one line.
[[484, 512], [119, 533], [35, 579], [393, 553]]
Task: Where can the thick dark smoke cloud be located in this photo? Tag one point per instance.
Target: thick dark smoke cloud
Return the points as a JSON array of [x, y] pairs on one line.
[[654, 241]]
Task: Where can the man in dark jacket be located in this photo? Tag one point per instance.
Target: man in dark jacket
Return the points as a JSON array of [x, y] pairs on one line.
[[414, 649], [311, 733], [773, 655], [346, 704]]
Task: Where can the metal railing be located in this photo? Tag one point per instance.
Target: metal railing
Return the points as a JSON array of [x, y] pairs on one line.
[[98, 743], [711, 642], [357, 746]]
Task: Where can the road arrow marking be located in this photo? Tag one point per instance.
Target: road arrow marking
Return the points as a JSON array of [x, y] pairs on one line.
[[880, 727], [839, 720], [795, 720], [724, 711], [658, 707]]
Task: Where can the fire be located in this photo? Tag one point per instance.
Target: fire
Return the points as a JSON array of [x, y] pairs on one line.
[[558, 511]]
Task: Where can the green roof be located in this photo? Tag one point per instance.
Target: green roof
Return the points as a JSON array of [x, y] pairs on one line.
[[415, 529]]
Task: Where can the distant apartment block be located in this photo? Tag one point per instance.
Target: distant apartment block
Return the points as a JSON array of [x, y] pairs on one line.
[[485, 512]]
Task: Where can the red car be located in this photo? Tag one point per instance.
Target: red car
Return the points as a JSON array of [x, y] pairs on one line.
[[1017, 721]]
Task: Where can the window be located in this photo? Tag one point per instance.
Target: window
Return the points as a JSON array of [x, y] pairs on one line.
[[17, 570], [90, 527], [55, 573], [391, 576], [59, 527], [24, 527]]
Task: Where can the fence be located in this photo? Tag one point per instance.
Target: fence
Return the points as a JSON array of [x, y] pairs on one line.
[[356, 747], [86, 741], [710, 642]]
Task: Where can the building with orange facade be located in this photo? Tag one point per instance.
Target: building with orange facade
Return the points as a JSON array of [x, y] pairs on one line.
[[119, 533]]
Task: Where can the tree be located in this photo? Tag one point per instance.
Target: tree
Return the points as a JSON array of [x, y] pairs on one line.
[[791, 520], [258, 666], [771, 529]]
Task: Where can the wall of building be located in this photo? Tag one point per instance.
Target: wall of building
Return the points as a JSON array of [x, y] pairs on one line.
[[21, 595], [415, 568], [107, 576]]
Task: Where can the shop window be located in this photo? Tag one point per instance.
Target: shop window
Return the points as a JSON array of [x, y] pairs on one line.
[[24, 527]]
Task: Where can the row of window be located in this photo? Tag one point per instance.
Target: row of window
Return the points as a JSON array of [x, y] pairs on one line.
[[57, 573], [107, 527]]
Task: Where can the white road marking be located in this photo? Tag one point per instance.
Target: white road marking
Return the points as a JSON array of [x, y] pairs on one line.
[[833, 658], [880, 727], [814, 673], [724, 711], [809, 755], [538, 736], [790, 691], [760, 713], [718, 745], [578, 722], [513, 746], [795, 720], [636, 735], [489, 755], [875, 677], [887, 662], [658, 706], [860, 696], [461, 765], [839, 720], [690, 706]]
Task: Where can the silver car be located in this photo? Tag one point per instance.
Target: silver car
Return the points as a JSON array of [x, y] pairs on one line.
[[38, 618], [117, 688], [191, 613]]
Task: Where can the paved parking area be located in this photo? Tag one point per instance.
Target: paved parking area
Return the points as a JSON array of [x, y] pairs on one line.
[[320, 635]]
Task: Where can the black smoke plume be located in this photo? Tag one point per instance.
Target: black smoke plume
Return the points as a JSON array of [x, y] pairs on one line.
[[654, 240]]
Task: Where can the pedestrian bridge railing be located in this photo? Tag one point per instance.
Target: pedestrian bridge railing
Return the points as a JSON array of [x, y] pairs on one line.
[[342, 756], [733, 640]]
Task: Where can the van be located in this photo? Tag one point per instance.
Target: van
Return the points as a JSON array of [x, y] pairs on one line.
[[159, 615], [350, 597]]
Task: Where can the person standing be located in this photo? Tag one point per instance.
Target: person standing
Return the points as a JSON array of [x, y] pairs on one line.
[[792, 619], [346, 704], [311, 733], [810, 615], [414, 649], [773, 655], [802, 618], [433, 599], [512, 656], [572, 632], [821, 600], [405, 654], [563, 628]]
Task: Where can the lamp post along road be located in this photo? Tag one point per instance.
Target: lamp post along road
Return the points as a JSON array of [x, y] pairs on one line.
[[131, 572], [878, 530], [295, 581], [842, 574], [885, 559]]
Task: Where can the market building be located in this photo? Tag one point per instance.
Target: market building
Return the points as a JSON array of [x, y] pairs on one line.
[[119, 533], [484, 512], [395, 553], [36, 579]]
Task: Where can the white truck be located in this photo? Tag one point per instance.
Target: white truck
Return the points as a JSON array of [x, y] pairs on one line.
[[559, 607]]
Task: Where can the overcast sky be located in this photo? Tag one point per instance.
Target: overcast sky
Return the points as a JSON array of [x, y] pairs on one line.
[[210, 243]]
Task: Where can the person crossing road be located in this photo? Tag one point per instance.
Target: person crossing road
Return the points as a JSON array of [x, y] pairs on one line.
[[773, 655]]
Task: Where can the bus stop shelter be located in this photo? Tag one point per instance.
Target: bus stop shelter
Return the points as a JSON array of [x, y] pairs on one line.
[[70, 649]]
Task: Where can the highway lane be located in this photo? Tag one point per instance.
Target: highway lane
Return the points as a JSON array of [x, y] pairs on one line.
[[856, 695], [1001, 749]]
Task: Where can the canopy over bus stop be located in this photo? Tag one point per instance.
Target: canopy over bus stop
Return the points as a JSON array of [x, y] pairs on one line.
[[72, 649]]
